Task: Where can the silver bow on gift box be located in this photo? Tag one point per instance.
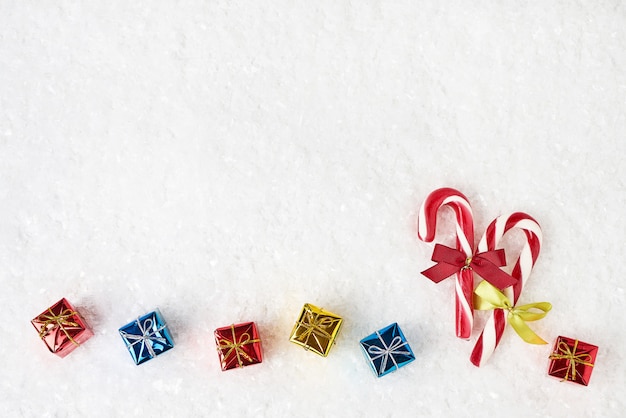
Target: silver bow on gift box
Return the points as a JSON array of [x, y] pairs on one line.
[[147, 337], [387, 352]]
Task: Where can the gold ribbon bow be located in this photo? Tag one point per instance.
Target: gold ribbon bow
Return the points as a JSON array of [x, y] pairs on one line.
[[316, 327], [572, 359], [58, 321], [487, 297], [235, 346]]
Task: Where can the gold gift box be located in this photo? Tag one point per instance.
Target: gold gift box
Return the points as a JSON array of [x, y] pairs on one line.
[[316, 329]]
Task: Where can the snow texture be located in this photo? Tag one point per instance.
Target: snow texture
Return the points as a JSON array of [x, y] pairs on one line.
[[229, 161]]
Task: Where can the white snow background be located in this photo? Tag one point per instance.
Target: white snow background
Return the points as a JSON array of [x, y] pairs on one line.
[[230, 161]]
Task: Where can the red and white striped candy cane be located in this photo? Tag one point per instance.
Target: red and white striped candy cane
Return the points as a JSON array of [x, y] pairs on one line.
[[497, 320], [427, 225]]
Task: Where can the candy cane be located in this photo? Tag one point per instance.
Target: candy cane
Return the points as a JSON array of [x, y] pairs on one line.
[[427, 225], [496, 322]]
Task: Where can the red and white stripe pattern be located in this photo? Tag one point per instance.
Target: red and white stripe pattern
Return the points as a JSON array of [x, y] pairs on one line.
[[497, 320], [426, 229]]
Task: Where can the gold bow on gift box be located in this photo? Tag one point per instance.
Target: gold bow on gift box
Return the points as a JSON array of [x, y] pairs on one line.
[[61, 328], [563, 352], [487, 297], [235, 346], [53, 321]]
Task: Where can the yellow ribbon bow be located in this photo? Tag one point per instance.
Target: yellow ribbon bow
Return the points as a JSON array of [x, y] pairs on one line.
[[60, 321], [487, 297], [572, 359], [235, 346]]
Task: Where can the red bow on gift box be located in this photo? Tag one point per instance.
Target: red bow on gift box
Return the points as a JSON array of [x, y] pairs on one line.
[[486, 264]]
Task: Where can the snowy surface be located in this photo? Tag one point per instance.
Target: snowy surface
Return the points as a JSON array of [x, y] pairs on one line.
[[230, 161]]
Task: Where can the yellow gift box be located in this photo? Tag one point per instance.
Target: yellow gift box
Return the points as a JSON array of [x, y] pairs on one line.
[[316, 329]]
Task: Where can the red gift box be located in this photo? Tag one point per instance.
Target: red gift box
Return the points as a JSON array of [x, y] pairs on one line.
[[572, 360], [61, 328], [238, 345]]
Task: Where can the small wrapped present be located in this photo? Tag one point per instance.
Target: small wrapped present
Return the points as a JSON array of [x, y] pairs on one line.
[[147, 337], [61, 328], [316, 329], [387, 350], [238, 345], [572, 360]]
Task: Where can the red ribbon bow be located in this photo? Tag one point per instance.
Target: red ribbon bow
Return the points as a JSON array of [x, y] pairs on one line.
[[486, 264]]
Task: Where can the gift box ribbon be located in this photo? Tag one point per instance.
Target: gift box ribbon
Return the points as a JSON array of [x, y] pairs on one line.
[[58, 321], [387, 351], [565, 353], [147, 336], [487, 297], [316, 327], [486, 264], [235, 346]]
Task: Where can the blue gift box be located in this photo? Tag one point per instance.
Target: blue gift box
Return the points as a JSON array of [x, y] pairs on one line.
[[147, 337], [387, 350]]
